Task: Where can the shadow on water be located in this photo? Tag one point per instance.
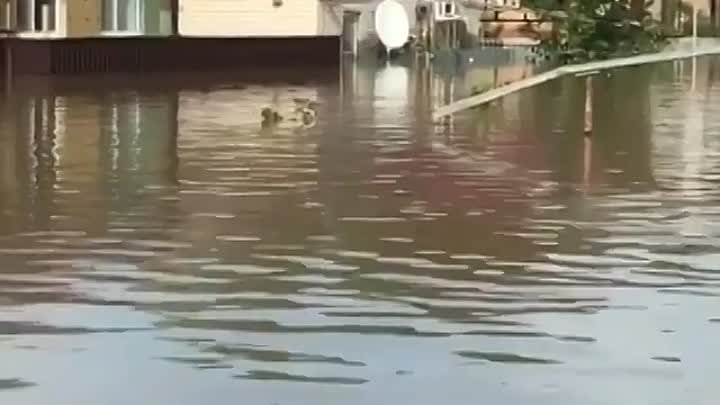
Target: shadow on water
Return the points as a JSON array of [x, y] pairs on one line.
[[148, 225]]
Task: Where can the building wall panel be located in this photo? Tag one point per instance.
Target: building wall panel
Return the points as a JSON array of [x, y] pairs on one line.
[[83, 18], [248, 18]]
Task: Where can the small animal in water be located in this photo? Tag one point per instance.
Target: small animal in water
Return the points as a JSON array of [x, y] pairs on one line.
[[308, 117], [303, 116], [306, 112], [270, 117]]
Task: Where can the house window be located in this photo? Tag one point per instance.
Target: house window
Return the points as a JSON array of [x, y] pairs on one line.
[[6, 22], [122, 15], [157, 17], [37, 15]]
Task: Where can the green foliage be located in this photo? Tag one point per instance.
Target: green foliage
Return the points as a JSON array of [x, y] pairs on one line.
[[600, 29]]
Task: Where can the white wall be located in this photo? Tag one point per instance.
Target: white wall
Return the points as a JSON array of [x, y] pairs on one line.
[[249, 18]]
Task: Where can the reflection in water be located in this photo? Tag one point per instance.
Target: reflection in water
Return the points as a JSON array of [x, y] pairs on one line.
[[155, 238]]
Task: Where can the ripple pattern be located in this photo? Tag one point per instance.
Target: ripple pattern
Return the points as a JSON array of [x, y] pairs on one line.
[[153, 240]]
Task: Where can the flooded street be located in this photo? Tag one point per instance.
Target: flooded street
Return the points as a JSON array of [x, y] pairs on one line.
[[158, 247]]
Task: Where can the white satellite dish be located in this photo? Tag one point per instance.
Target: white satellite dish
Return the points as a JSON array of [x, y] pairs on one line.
[[392, 24]]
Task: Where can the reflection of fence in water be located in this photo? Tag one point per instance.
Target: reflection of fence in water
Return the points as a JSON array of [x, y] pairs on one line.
[[475, 70], [450, 62]]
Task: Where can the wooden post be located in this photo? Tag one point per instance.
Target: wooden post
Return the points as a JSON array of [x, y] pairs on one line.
[[8, 66], [588, 105], [448, 33], [693, 74], [431, 28], [45, 18], [175, 17], [587, 162], [349, 34], [8, 15], [456, 34]]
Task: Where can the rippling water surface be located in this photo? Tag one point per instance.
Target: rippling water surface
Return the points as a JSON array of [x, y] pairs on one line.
[[157, 247]]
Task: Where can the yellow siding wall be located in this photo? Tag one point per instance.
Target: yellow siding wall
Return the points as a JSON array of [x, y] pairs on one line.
[[83, 18], [248, 18]]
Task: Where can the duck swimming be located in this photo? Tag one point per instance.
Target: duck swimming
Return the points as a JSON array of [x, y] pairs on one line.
[[270, 117], [303, 116]]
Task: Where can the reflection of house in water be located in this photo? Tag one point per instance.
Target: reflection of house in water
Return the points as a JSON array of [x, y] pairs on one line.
[[405, 174], [8, 169], [127, 137], [12, 179], [391, 96], [392, 91], [258, 175], [69, 150], [138, 135], [686, 139]]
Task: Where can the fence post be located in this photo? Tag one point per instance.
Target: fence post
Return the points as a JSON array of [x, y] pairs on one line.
[[588, 105]]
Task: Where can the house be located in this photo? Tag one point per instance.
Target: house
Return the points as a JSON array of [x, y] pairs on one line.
[[59, 19], [676, 16], [74, 36], [499, 21], [361, 15]]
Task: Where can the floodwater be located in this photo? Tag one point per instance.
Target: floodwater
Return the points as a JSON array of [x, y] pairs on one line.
[[157, 247]]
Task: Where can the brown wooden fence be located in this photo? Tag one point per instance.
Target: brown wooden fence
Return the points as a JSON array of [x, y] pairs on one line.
[[137, 55]]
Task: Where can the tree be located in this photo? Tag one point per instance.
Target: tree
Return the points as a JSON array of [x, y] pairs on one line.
[[599, 29]]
